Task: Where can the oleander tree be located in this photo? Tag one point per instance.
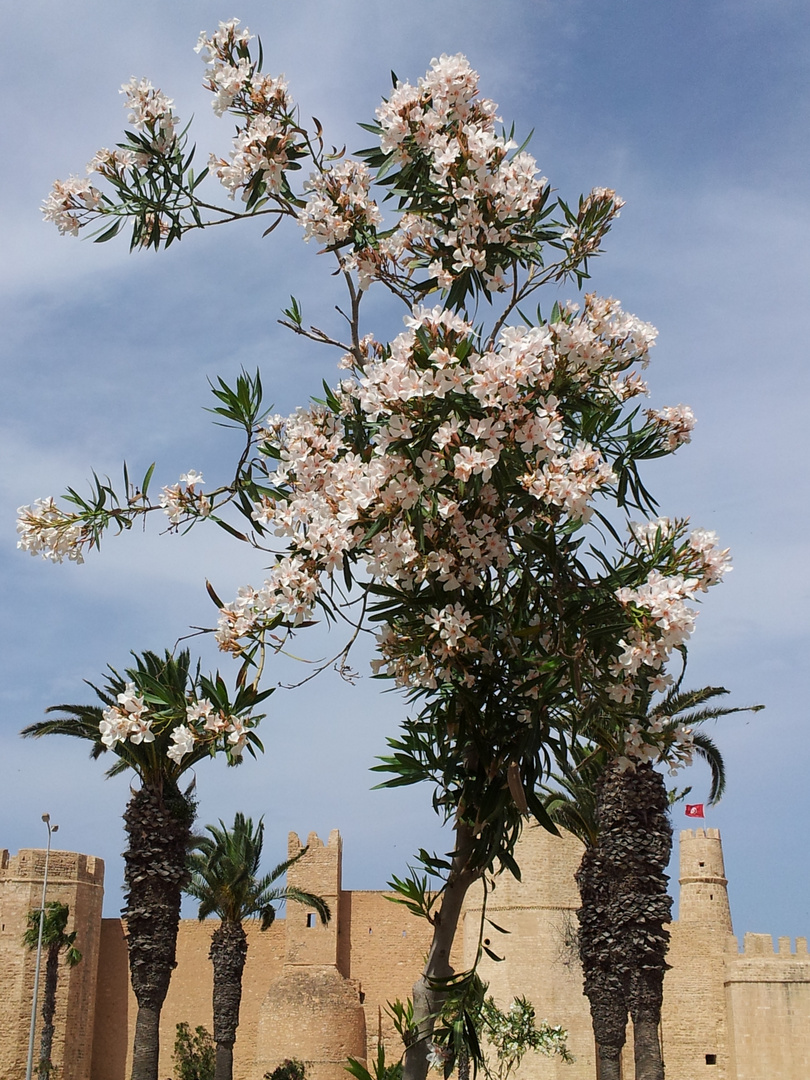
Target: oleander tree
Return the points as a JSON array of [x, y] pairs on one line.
[[471, 487], [159, 719]]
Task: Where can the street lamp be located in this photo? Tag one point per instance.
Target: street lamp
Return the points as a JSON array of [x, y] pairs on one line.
[[30, 1067]]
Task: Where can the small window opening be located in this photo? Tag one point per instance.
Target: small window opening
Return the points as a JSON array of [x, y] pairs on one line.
[[711, 896], [311, 920], [362, 997], [711, 1059], [701, 864]]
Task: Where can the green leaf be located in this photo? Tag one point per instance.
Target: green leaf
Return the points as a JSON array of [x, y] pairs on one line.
[[147, 479]]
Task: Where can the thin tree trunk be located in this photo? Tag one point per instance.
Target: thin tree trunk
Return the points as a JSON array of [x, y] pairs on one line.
[[147, 1044], [647, 1049], [48, 1010], [158, 821], [227, 953], [427, 997]]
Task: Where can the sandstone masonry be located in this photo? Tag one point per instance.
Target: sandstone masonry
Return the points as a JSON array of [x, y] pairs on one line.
[[320, 993]]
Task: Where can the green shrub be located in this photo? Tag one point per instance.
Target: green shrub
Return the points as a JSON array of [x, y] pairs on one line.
[[291, 1069], [194, 1053]]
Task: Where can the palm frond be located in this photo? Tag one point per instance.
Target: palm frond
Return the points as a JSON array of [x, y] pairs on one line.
[[78, 721], [224, 868], [706, 749], [298, 896], [677, 701]]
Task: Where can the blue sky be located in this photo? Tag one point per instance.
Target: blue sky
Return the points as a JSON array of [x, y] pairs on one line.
[[697, 114]]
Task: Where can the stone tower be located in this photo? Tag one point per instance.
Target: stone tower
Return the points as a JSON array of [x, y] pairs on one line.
[[695, 1015], [75, 880], [313, 1012], [704, 887]]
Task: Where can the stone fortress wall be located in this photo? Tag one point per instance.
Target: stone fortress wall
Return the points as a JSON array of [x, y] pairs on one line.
[[76, 880], [319, 993]]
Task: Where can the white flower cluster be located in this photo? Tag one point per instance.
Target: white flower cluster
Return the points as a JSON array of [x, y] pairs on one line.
[[259, 149], [438, 1055], [663, 619], [204, 724], [127, 722], [656, 740], [340, 210], [571, 481], [70, 204], [46, 530], [151, 113], [74, 203], [225, 79], [183, 503], [675, 424], [486, 196], [477, 417], [267, 143]]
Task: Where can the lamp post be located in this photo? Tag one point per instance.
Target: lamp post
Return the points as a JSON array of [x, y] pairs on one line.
[[30, 1067]]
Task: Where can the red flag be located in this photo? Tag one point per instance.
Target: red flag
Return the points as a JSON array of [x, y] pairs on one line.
[[694, 810]]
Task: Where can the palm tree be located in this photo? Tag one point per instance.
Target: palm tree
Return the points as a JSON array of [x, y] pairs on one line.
[[55, 941], [224, 877], [622, 818], [161, 719], [574, 807]]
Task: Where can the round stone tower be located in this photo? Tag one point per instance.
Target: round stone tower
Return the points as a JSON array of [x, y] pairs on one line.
[[704, 886]]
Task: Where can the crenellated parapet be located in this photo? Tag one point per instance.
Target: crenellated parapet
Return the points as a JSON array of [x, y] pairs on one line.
[[768, 1007], [760, 961], [63, 867]]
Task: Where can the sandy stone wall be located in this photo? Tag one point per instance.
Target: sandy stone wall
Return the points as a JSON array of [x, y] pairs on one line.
[[540, 959], [384, 952], [75, 880], [312, 1011], [319, 993], [188, 1000], [768, 996]]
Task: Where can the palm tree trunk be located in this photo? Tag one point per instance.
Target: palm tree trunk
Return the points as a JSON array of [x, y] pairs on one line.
[[147, 1044], [223, 1061], [609, 1066], [602, 986], [623, 938], [635, 839], [427, 997], [158, 822], [48, 1010], [647, 1049], [228, 953]]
